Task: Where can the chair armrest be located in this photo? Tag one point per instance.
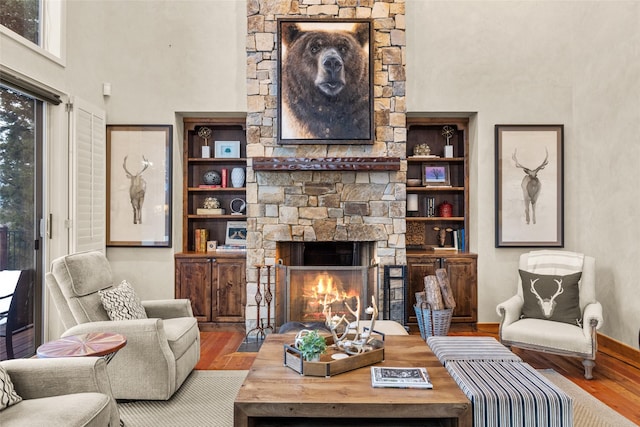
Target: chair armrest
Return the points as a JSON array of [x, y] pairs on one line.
[[36, 378], [592, 316], [168, 308], [150, 330], [510, 310]]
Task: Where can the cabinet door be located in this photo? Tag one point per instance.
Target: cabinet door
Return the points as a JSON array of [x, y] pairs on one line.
[[193, 281], [229, 287], [417, 268], [462, 277]]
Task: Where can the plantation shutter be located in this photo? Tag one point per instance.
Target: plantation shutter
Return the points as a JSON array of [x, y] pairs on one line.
[[88, 177]]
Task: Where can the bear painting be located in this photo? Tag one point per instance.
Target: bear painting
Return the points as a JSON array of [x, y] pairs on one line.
[[325, 90]]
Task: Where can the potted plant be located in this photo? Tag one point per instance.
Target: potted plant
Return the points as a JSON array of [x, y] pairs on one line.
[[311, 344]]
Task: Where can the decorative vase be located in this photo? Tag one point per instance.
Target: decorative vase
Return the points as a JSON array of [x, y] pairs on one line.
[[445, 209], [237, 177]]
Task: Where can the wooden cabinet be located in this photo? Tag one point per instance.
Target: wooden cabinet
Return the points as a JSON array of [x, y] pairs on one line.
[[216, 286], [195, 189], [462, 271], [449, 182], [215, 280]]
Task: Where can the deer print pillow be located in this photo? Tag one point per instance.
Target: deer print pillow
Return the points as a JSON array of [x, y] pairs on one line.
[[550, 297]]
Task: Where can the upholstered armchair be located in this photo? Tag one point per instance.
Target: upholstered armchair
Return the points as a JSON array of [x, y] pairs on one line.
[[575, 335], [60, 393], [161, 350]]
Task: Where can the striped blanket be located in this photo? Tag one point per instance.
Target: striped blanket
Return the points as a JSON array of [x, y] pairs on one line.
[[508, 394], [557, 263]]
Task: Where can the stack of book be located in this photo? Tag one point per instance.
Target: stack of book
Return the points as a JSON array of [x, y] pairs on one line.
[[201, 235], [430, 206]]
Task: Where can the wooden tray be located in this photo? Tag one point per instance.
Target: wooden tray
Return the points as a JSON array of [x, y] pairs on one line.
[[327, 366]]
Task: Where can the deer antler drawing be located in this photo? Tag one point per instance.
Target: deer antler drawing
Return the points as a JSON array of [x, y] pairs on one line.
[[547, 304]]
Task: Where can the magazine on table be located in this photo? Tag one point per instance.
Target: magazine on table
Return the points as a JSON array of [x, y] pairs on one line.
[[382, 376]]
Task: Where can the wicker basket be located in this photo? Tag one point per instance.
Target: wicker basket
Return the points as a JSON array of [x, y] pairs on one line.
[[432, 322]]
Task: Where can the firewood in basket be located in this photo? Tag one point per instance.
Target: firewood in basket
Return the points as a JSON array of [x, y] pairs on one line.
[[432, 292], [445, 288]]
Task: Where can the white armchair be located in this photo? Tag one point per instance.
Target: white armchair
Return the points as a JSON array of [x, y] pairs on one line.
[[579, 340], [161, 350]]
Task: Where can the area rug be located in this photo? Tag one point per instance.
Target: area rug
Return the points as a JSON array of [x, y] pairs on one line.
[[587, 410], [206, 400]]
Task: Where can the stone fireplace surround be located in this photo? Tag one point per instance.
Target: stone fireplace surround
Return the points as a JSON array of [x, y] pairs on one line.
[[332, 192]]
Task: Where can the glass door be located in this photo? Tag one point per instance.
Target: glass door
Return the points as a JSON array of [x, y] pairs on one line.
[[21, 130]]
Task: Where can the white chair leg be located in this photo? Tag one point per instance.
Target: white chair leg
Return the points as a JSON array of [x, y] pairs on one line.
[[588, 368]]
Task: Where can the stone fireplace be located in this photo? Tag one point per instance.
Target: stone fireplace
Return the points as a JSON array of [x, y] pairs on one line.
[[324, 193]]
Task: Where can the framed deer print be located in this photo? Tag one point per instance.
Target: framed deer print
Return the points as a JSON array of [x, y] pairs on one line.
[[529, 185], [139, 185]]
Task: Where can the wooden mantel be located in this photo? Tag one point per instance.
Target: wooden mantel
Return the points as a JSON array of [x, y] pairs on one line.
[[326, 163]]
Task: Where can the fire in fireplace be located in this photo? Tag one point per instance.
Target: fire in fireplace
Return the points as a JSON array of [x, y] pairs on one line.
[[305, 291]]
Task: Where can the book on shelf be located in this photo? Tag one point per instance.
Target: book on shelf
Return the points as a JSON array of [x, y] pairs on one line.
[[201, 235], [238, 248], [208, 186], [205, 211], [392, 377]]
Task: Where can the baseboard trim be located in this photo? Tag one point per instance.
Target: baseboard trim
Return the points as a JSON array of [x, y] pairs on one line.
[[607, 345]]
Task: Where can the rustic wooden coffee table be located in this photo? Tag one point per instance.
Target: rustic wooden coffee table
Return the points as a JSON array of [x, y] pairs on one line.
[[275, 395]]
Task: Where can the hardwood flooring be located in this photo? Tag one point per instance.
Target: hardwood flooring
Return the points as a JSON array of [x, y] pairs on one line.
[[616, 382]]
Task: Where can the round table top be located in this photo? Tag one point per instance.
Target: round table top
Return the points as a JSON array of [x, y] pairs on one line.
[[92, 344]]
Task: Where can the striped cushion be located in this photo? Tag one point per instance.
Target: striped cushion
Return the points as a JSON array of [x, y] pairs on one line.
[[559, 263], [8, 395], [470, 348], [122, 303], [511, 394]]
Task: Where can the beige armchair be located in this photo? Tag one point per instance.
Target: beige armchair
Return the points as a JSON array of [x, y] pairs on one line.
[[575, 340], [161, 351], [60, 393]]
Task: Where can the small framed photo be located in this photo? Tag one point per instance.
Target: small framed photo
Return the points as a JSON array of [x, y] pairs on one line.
[[436, 174], [236, 233], [227, 149]]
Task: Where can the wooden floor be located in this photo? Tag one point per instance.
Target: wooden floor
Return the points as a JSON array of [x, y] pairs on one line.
[[615, 382]]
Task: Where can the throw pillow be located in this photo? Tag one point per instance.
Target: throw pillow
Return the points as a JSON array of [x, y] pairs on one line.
[[551, 297], [8, 395], [122, 303]]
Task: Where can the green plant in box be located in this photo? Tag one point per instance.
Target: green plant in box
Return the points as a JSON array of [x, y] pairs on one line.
[[311, 344]]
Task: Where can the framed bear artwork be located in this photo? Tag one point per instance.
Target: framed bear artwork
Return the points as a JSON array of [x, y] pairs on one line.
[[325, 87]]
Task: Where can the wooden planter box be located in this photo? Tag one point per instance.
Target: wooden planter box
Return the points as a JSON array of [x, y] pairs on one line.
[[327, 366]]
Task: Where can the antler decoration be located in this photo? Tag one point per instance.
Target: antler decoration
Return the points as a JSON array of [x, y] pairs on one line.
[[359, 342]]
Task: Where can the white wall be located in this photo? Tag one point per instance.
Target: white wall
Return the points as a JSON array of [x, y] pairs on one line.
[[162, 58], [575, 63]]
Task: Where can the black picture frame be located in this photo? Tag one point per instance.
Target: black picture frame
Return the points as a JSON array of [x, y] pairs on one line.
[[537, 152], [134, 153], [333, 106]]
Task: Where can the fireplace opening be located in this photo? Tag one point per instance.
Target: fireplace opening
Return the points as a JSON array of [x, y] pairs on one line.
[[314, 279]]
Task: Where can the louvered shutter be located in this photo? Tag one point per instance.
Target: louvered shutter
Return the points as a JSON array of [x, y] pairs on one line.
[[88, 177]]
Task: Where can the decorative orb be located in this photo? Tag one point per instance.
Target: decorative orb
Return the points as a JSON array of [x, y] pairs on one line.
[[212, 178]]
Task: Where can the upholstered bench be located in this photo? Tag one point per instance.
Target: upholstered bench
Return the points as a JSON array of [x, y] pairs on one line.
[[511, 394], [470, 348]]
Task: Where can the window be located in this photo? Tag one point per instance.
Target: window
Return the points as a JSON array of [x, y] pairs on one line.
[[21, 141], [22, 17], [37, 24]]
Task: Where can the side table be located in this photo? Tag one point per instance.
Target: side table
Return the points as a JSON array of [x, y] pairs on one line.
[[101, 344]]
